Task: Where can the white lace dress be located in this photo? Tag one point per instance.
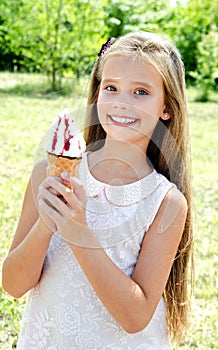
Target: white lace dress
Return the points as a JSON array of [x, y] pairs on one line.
[[63, 312]]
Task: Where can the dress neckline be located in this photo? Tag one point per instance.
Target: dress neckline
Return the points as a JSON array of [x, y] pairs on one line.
[[120, 195]]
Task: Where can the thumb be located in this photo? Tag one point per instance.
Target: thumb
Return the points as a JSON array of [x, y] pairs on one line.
[[77, 185], [65, 176], [78, 189]]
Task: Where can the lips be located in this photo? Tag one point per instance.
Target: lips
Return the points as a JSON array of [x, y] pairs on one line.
[[122, 121]]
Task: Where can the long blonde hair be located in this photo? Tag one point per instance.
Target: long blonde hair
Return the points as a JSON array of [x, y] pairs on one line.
[[168, 150]]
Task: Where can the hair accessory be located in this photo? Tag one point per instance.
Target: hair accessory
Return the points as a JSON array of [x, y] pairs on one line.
[[105, 47]]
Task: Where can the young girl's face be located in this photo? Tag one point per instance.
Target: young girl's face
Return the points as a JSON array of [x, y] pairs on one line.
[[130, 100]]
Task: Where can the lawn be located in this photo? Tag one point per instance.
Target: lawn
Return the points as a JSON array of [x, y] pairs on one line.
[[26, 112]]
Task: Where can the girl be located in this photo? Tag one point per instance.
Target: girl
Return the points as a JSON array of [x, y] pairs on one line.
[[107, 267]]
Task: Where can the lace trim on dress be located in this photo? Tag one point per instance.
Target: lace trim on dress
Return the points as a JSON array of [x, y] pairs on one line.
[[123, 195]]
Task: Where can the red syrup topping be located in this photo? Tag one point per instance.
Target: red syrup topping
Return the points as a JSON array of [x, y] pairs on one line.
[[54, 141], [67, 145], [79, 145], [67, 136]]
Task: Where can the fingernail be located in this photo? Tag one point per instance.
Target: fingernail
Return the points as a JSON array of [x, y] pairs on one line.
[[64, 175], [50, 180]]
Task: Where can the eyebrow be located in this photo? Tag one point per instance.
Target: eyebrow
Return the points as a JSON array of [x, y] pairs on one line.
[[144, 84], [140, 83]]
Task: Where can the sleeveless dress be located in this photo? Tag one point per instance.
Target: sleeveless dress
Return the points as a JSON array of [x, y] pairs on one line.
[[63, 311]]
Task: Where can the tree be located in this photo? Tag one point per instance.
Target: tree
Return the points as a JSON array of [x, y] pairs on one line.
[[7, 15], [188, 26], [123, 17], [64, 36], [207, 65], [53, 37]]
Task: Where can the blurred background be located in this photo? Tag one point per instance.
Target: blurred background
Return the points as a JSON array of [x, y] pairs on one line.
[[61, 38]]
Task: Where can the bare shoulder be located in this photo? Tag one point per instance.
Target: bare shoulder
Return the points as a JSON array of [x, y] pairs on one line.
[[173, 210], [175, 196], [176, 199]]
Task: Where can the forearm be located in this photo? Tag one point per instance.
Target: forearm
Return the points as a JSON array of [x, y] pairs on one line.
[[23, 265], [123, 298]]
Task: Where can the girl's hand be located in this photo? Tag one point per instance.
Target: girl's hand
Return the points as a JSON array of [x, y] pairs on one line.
[[65, 208]]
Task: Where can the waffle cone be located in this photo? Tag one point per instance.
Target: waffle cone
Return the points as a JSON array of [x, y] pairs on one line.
[[58, 165]]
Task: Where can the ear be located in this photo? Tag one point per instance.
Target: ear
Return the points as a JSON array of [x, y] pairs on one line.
[[165, 116]]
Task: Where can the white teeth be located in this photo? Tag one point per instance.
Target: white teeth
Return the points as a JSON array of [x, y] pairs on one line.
[[123, 120]]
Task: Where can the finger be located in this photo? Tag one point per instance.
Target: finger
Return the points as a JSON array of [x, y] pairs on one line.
[[57, 186], [49, 196], [67, 193], [41, 197], [58, 204], [78, 189], [65, 177], [46, 185], [42, 190], [54, 204], [47, 170], [48, 211]]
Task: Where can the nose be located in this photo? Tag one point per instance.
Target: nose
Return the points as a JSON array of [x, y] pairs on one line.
[[121, 101]]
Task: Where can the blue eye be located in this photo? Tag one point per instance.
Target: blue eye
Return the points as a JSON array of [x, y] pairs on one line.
[[110, 88], [141, 92]]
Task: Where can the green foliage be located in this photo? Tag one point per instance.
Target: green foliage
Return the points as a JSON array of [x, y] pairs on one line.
[[62, 38], [52, 37], [207, 65], [123, 17], [188, 26]]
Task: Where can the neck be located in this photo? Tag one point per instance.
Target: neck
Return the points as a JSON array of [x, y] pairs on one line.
[[122, 157], [125, 150]]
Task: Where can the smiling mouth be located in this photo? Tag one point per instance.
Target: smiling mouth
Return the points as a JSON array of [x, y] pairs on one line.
[[123, 121]]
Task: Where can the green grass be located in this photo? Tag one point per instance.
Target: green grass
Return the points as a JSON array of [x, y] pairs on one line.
[[26, 111]]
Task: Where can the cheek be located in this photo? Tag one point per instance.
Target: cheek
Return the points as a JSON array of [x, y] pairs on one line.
[[102, 113], [149, 120], [102, 106], [151, 113]]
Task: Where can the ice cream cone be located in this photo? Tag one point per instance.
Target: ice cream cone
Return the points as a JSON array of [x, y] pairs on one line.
[[65, 146], [58, 165]]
